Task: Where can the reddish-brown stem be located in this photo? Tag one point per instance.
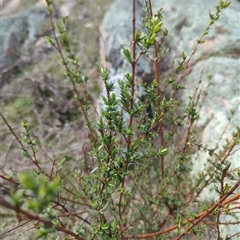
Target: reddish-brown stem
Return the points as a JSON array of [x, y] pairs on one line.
[[133, 64], [199, 218], [158, 90], [57, 46], [33, 159], [35, 217], [221, 202]]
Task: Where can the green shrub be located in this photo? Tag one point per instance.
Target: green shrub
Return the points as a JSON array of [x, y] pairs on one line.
[[134, 180]]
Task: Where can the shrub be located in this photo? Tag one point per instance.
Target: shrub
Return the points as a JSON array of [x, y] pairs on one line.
[[134, 180]]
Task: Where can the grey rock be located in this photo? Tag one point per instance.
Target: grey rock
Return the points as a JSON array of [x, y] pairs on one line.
[[36, 15], [116, 33], [187, 21], [14, 31], [17, 30]]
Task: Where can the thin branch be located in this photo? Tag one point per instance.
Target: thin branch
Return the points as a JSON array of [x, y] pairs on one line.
[[35, 217]]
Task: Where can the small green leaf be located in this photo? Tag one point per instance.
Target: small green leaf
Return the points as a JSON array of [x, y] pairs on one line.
[[163, 151], [127, 54], [16, 197], [165, 32], [164, 104], [140, 36], [206, 32], [50, 41], [28, 181], [104, 75], [212, 17]]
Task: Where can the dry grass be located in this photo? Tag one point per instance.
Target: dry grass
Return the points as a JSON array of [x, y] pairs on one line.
[[39, 94]]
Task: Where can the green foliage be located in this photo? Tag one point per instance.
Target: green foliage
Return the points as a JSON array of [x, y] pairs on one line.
[[136, 180], [40, 189]]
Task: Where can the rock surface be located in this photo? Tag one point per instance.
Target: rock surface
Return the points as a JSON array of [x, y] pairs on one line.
[[218, 56], [18, 32]]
